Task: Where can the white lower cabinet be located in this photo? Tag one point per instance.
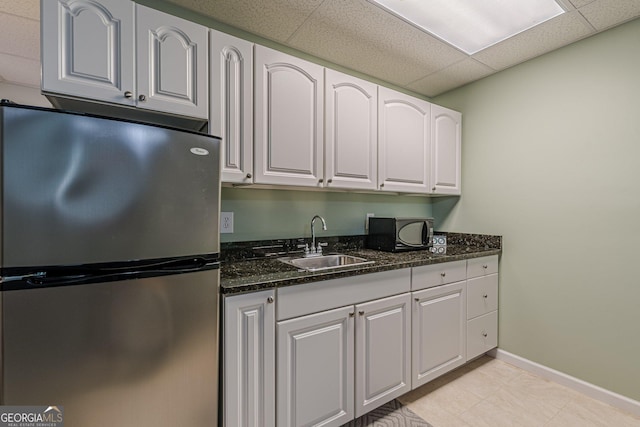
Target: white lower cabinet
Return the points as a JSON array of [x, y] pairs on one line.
[[383, 356], [482, 305], [328, 352], [315, 369], [439, 331], [351, 355], [482, 334], [248, 377], [320, 370]]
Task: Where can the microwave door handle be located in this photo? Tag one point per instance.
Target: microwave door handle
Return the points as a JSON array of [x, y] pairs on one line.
[[427, 233]]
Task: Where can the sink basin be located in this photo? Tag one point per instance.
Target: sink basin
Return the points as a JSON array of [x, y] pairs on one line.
[[326, 262]]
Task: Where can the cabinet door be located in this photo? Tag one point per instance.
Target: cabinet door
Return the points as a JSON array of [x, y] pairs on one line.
[[288, 120], [232, 104], [446, 137], [249, 360], [383, 351], [351, 132], [403, 142], [172, 61], [439, 331], [87, 49], [315, 369]]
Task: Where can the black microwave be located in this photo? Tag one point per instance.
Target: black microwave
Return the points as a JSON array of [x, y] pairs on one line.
[[400, 234]]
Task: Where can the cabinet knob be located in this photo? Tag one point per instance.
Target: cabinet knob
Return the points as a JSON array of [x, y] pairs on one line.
[[417, 299], [329, 181], [484, 334], [361, 312], [381, 184], [249, 176], [485, 296], [433, 189], [485, 266], [142, 98], [270, 300], [320, 180], [443, 274], [128, 94], [351, 314]]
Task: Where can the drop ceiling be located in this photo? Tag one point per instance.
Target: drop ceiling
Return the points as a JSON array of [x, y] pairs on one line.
[[354, 34]]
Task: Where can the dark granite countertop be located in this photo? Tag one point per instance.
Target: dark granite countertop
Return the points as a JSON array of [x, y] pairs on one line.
[[246, 267]]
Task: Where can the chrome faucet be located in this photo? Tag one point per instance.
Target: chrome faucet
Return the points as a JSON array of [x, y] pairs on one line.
[[315, 251]]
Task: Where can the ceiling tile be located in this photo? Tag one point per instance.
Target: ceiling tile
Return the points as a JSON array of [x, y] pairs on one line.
[[580, 3], [19, 36], [272, 19], [453, 76], [362, 37], [550, 35], [603, 14], [25, 8], [20, 70]]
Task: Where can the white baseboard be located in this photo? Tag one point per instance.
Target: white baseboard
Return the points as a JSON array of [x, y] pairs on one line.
[[617, 400]]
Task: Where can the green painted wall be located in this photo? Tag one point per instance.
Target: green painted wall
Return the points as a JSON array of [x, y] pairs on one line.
[[272, 214], [551, 160]]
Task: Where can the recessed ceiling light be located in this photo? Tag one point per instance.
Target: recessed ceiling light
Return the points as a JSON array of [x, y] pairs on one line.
[[472, 25]]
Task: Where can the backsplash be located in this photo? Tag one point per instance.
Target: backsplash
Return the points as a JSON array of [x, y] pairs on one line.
[[264, 214]]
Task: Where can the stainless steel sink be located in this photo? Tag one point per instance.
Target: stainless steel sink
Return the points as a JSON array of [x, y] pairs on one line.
[[326, 262]]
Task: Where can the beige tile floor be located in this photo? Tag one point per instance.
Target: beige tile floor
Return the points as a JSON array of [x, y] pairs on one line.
[[491, 393]]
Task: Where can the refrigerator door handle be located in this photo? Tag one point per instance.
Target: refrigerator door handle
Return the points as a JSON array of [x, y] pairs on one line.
[[79, 276]]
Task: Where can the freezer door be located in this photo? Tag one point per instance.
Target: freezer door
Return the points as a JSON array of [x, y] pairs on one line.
[[79, 190], [137, 353]]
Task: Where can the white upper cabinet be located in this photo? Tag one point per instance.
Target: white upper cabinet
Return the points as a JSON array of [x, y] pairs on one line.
[[288, 120], [88, 49], [446, 137], [351, 157], [232, 104], [171, 57], [403, 142], [117, 52]]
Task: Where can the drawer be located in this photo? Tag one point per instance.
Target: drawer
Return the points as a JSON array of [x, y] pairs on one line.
[[428, 276], [482, 334], [299, 300], [482, 295], [477, 267]]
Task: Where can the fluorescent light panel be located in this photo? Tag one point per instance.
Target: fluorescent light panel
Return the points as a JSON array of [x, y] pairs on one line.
[[472, 25]]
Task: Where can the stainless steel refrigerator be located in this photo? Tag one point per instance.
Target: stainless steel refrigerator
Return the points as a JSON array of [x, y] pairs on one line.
[[109, 248]]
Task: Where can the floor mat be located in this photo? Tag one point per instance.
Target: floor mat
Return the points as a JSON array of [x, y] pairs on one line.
[[390, 414]]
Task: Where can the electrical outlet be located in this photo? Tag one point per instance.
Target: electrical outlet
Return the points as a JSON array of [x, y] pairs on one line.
[[366, 222], [226, 222]]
